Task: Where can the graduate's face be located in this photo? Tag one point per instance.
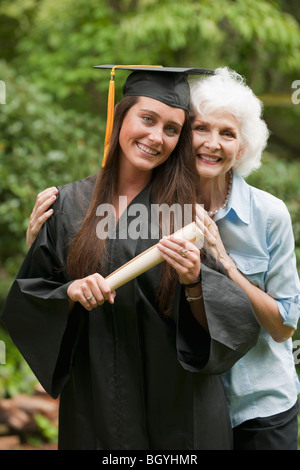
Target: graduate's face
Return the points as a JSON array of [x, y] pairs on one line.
[[149, 133], [217, 143]]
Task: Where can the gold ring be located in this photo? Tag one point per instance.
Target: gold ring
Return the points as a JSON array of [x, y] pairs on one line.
[[209, 225]]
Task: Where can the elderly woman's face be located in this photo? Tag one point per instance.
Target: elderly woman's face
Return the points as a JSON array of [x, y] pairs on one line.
[[217, 143]]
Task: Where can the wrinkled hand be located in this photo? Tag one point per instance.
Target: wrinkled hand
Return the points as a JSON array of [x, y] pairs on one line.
[[183, 255], [213, 238], [40, 213], [91, 291]]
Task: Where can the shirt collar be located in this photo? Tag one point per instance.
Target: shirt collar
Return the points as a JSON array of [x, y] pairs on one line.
[[239, 200]]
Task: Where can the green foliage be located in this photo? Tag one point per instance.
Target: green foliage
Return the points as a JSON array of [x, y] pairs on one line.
[[57, 43], [62, 48], [46, 428], [223, 23], [15, 375], [284, 123], [42, 146], [279, 177]]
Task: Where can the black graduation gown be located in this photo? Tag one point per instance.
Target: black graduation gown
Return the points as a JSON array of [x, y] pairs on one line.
[[128, 378]]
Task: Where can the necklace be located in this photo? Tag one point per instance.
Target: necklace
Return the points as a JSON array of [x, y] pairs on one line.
[[213, 213]]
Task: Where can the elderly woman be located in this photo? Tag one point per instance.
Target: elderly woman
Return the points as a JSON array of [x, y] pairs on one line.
[[250, 232]]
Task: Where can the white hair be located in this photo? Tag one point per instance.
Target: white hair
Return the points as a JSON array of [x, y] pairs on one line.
[[227, 90]]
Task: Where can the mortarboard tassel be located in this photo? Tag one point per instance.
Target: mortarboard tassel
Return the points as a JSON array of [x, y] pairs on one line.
[[110, 114]]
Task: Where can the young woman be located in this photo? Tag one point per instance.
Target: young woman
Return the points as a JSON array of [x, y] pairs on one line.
[[136, 368], [250, 232]]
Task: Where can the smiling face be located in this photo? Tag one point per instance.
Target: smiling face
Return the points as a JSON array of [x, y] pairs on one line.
[[217, 143], [149, 133]]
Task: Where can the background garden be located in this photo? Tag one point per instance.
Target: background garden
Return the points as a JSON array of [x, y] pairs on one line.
[[53, 107]]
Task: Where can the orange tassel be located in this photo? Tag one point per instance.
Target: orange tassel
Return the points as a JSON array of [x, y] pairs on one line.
[[110, 114]]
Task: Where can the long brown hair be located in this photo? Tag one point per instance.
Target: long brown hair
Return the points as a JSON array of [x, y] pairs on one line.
[[172, 182]]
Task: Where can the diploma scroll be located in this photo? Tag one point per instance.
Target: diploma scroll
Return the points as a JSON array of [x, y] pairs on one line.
[[149, 258]]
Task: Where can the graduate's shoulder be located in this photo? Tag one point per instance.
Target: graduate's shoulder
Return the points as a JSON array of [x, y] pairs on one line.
[[76, 193], [77, 188]]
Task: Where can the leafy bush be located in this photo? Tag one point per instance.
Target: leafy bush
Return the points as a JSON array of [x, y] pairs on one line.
[[42, 145], [15, 374]]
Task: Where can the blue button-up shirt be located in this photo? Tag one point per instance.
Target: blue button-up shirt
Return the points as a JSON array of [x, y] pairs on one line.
[[257, 233]]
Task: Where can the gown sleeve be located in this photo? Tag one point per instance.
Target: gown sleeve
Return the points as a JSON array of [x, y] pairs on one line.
[[36, 311], [233, 327]]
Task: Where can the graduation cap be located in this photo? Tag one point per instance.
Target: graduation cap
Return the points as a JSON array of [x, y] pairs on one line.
[[166, 84]]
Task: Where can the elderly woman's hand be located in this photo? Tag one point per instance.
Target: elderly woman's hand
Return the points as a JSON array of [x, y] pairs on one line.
[[213, 239], [40, 213]]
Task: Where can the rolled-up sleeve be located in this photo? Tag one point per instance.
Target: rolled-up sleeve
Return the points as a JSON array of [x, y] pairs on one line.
[[289, 310], [282, 280]]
